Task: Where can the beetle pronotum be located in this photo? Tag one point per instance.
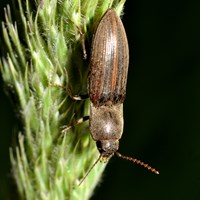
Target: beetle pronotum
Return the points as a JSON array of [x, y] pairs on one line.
[[107, 80]]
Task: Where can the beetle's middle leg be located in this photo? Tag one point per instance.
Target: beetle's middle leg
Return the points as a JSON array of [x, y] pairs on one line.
[[74, 97]]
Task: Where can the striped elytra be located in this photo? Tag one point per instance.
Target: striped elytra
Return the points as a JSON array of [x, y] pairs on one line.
[[108, 62]]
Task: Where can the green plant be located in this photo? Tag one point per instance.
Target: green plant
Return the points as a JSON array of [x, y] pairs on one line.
[[42, 44]]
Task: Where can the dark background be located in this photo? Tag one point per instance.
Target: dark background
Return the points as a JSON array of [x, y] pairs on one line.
[[161, 111]]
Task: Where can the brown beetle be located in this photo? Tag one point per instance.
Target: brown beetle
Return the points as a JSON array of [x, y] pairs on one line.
[[107, 80], [107, 86]]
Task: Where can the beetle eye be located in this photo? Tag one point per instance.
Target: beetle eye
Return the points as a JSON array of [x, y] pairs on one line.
[[99, 147]]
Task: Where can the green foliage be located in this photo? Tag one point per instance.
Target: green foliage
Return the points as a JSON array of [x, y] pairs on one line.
[[42, 44]]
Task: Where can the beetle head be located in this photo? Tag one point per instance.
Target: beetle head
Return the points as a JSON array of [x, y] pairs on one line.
[[107, 147]]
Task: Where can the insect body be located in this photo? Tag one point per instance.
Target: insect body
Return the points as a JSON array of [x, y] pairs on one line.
[[107, 87], [107, 82]]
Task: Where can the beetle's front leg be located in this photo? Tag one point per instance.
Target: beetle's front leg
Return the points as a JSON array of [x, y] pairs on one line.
[[74, 97], [79, 121]]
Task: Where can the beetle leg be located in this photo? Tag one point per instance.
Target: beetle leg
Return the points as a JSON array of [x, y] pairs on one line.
[[82, 39], [79, 121], [56, 85], [74, 97]]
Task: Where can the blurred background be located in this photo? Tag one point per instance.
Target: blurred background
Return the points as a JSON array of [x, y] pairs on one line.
[[161, 111]]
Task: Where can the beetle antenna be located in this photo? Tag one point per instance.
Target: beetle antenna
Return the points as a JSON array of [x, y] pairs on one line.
[[139, 162], [90, 170]]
